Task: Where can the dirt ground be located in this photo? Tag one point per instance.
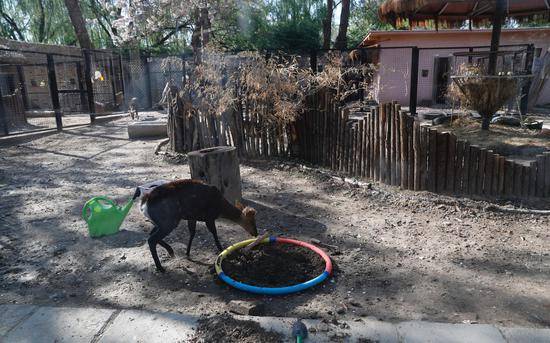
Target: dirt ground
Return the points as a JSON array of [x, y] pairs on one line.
[[398, 255], [515, 143]]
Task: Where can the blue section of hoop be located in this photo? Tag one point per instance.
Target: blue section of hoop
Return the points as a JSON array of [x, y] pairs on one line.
[[274, 290]]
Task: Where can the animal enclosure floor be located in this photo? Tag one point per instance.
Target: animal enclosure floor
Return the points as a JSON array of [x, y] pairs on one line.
[[398, 255]]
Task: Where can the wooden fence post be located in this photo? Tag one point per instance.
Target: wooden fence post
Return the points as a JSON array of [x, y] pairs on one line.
[[397, 133], [473, 172], [54, 93], [451, 163], [489, 172], [388, 136], [376, 136], [508, 178], [518, 179], [442, 139], [382, 146], [481, 171], [459, 170], [547, 174], [432, 162], [404, 149], [541, 170], [417, 156], [360, 147], [532, 178]]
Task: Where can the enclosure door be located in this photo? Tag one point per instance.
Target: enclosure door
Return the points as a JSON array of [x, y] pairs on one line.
[[441, 78]]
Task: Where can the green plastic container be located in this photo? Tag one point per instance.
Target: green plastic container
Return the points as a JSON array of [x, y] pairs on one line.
[[103, 216]]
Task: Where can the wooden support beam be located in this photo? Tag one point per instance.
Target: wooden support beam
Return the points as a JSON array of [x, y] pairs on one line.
[[54, 93]]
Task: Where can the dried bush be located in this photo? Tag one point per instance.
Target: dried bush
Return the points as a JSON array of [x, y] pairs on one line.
[[275, 89], [481, 93]]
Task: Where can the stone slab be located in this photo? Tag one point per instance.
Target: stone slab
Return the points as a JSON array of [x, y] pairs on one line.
[[520, 335], [147, 129], [368, 330], [149, 327], [424, 332], [11, 315], [60, 324]]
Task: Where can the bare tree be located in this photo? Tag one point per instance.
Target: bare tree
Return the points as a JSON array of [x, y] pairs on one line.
[[342, 38], [75, 13], [327, 25]]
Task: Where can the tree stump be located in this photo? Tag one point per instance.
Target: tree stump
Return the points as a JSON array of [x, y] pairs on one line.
[[219, 167]]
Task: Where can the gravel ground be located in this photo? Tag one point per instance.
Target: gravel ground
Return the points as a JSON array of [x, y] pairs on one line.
[[399, 255]]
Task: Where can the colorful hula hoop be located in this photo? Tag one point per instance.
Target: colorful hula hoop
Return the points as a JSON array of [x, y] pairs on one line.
[[273, 290]]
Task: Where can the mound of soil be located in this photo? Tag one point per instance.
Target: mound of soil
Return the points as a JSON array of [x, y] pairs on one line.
[[224, 328], [274, 265]]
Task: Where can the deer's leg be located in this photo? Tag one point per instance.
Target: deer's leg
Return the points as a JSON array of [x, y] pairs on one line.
[[155, 238], [168, 248], [192, 226], [211, 225]]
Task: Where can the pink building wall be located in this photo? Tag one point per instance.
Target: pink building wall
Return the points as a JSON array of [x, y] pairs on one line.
[[392, 81]]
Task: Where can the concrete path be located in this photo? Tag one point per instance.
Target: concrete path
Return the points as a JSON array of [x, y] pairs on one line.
[[28, 323]]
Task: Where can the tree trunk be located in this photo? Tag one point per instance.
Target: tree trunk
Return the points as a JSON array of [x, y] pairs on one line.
[[79, 24], [219, 167], [175, 120], [42, 23], [327, 25], [342, 38]]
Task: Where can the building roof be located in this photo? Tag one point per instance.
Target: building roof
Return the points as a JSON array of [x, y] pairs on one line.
[[392, 11], [380, 36]]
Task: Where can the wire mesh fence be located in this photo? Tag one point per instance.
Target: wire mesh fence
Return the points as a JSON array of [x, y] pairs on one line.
[[45, 87], [100, 81]]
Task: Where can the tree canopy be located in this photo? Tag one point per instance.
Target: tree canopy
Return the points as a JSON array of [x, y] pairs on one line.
[[168, 25]]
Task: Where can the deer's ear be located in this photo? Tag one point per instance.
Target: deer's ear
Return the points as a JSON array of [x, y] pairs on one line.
[[239, 205]]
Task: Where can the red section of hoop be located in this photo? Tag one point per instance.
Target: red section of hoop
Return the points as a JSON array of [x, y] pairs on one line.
[[328, 262]]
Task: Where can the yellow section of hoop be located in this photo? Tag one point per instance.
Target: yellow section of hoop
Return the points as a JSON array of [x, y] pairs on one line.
[[229, 250]]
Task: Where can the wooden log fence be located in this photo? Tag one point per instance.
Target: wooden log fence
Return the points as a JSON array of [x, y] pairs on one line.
[[381, 143]]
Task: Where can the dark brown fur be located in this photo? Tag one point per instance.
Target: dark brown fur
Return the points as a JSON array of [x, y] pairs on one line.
[[190, 200]]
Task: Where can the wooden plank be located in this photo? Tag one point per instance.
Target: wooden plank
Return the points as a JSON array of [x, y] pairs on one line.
[[473, 165], [508, 178], [423, 157], [547, 174], [451, 163], [466, 169], [382, 146], [501, 175], [397, 127], [335, 122], [387, 127], [459, 161], [360, 147], [417, 155], [410, 154], [347, 139], [526, 172], [494, 179], [391, 144], [355, 148], [532, 178], [489, 170], [432, 160], [541, 169], [404, 149], [518, 179], [481, 171], [442, 150], [365, 172], [376, 160]]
